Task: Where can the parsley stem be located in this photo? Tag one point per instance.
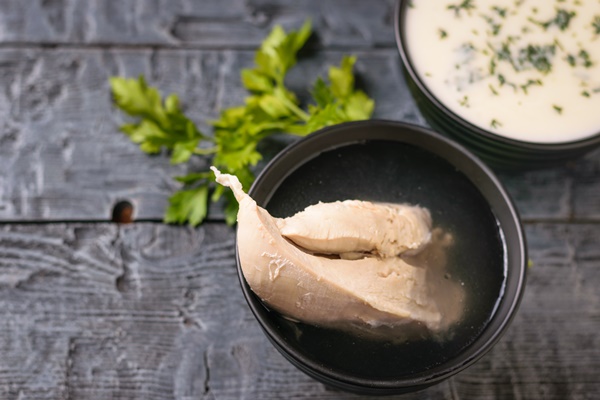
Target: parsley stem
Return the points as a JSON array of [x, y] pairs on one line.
[[211, 150], [295, 109]]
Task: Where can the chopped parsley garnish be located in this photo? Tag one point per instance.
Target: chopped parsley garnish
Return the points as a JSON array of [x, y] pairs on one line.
[[531, 82], [538, 56], [585, 58], [561, 20], [596, 24], [522, 51], [501, 79], [558, 109], [466, 5], [501, 11], [504, 53], [495, 124], [494, 26], [531, 56], [492, 66]]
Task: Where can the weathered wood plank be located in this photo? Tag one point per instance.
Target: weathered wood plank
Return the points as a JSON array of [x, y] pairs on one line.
[[62, 157], [198, 24], [147, 311], [554, 339], [568, 192]]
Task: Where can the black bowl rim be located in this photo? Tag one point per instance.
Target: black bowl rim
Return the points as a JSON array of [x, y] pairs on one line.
[[475, 166], [566, 146]]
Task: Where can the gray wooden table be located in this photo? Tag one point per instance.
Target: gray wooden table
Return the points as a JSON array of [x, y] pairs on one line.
[[90, 309]]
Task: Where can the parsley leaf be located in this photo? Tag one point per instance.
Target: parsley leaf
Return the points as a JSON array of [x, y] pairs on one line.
[[161, 125], [188, 205]]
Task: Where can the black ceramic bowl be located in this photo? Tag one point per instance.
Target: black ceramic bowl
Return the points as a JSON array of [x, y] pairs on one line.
[[496, 150], [396, 162]]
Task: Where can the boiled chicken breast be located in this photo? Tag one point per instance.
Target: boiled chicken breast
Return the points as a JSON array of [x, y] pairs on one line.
[[354, 226], [322, 290]]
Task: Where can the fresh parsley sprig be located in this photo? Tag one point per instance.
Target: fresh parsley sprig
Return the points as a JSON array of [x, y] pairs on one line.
[[270, 108]]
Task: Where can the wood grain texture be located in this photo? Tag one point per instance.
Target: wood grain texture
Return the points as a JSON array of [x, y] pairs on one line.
[[197, 24], [148, 311], [63, 158]]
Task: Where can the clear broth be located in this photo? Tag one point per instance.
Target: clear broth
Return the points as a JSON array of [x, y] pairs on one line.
[[388, 171]]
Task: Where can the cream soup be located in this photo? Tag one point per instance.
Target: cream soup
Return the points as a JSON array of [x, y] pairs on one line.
[[528, 70]]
